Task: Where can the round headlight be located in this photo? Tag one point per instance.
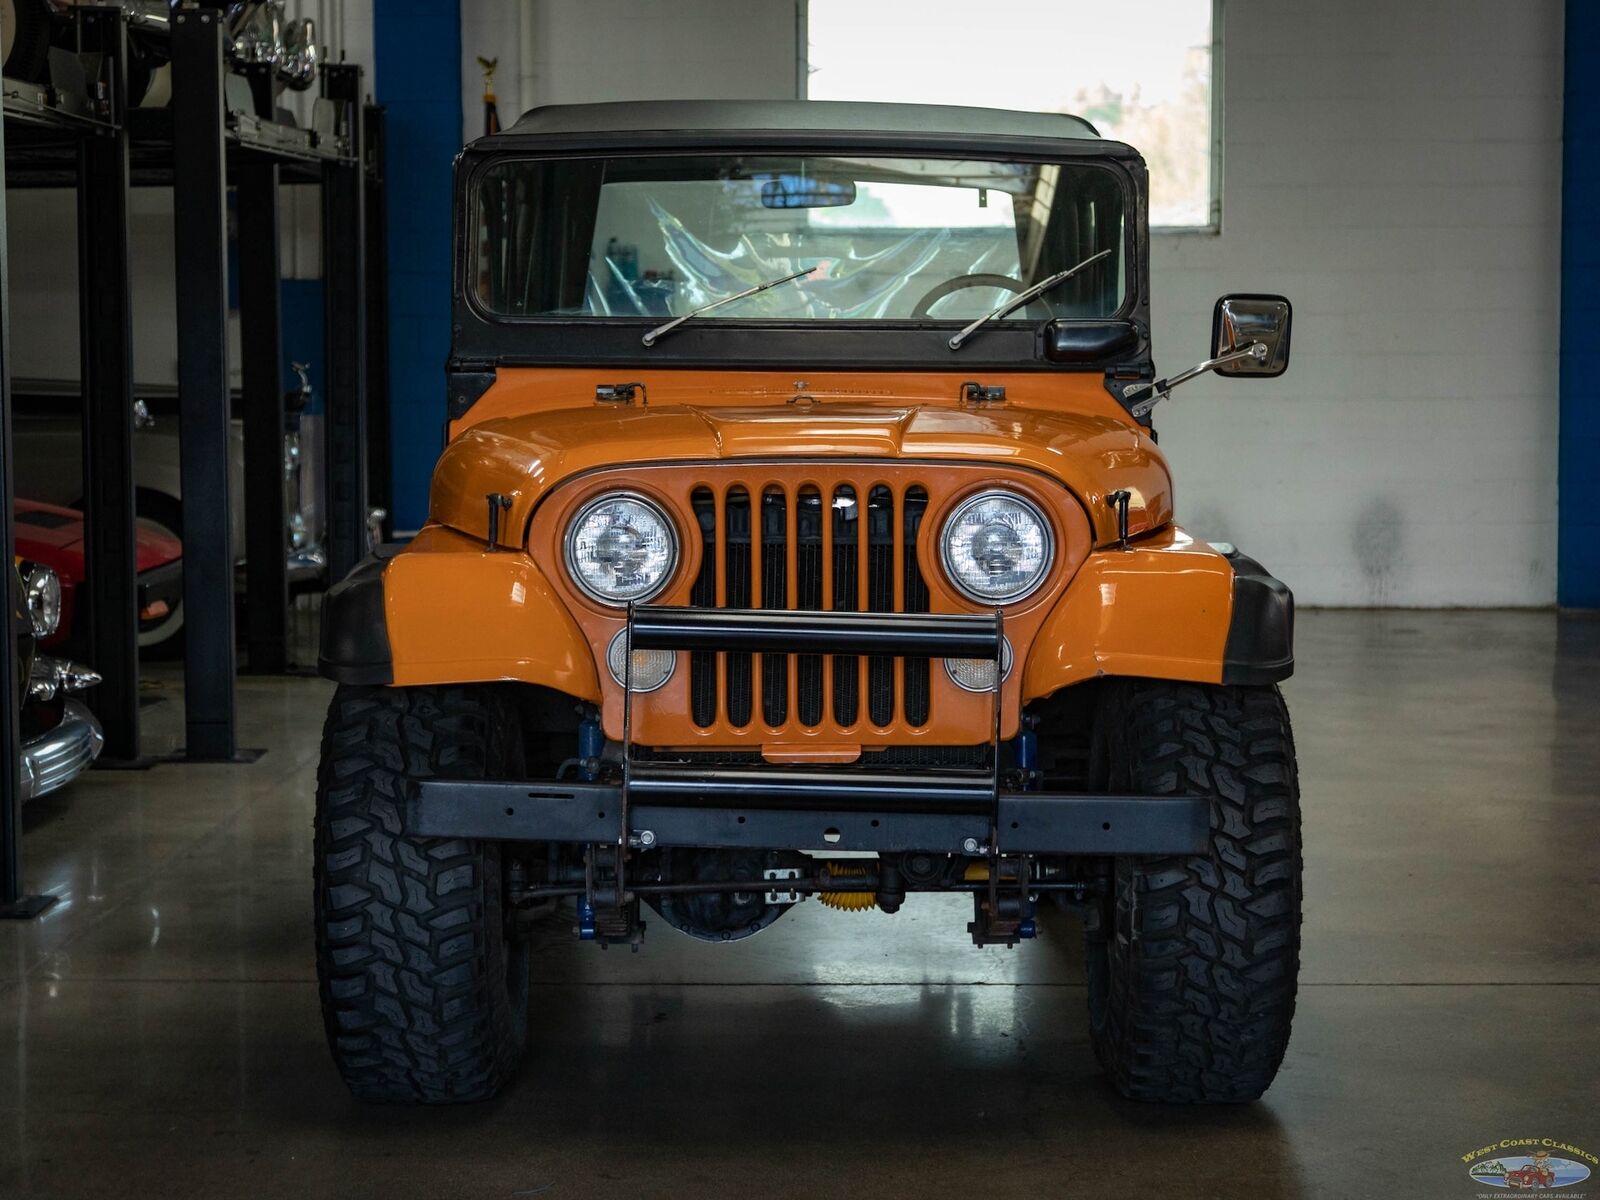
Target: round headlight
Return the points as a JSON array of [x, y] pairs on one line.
[[977, 674], [996, 547], [621, 548], [42, 592], [651, 668]]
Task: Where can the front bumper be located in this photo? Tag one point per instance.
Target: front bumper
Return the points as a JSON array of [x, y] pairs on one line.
[[809, 808], [56, 757], [762, 811]]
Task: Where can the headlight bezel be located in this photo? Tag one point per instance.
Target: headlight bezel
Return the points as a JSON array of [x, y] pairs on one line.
[[41, 596], [1048, 537], [569, 539]]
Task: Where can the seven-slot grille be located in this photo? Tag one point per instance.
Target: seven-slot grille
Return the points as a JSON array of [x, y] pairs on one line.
[[843, 547]]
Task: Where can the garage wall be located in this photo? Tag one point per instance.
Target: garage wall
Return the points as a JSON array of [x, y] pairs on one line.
[[1396, 171], [581, 51]]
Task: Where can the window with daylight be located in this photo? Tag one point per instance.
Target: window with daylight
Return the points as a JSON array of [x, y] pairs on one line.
[[1141, 70]]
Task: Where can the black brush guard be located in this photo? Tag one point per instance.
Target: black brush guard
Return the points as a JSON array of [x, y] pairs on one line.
[[804, 808]]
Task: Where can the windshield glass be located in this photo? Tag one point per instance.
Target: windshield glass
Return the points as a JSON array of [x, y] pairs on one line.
[[883, 239]]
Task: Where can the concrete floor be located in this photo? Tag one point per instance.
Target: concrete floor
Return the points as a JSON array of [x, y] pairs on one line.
[[160, 1032]]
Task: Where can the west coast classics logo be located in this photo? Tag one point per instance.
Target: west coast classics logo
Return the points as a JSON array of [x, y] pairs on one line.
[[1530, 1164]]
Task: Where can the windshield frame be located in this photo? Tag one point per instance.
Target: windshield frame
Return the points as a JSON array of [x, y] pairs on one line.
[[481, 335]]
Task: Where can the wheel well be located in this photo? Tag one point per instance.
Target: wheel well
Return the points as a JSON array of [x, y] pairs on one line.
[[548, 722], [1064, 722]]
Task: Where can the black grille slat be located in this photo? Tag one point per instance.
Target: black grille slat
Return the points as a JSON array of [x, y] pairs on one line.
[[742, 547], [703, 663], [846, 598], [738, 549], [919, 674], [808, 595], [880, 598], [774, 594]]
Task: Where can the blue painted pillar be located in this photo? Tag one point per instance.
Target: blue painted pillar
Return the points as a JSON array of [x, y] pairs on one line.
[[1578, 572], [417, 45]]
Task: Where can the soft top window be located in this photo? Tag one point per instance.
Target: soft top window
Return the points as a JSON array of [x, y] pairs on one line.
[[881, 239]]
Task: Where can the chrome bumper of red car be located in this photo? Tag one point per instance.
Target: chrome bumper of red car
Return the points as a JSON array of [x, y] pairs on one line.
[[55, 758]]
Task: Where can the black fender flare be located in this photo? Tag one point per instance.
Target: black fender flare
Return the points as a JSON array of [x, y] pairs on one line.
[[355, 633], [1260, 646]]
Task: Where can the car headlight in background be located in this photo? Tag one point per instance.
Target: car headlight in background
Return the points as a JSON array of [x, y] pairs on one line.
[[621, 548], [977, 674], [651, 668], [996, 547], [41, 591]]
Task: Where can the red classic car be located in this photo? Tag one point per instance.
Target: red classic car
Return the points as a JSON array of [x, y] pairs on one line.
[[1533, 1175], [52, 535]]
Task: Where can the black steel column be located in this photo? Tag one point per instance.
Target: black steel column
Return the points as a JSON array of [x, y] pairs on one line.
[[106, 346], [344, 315], [380, 473], [12, 902], [266, 594], [199, 203]]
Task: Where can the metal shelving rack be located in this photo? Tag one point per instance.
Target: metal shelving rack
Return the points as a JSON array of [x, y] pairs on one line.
[[199, 145], [53, 137]]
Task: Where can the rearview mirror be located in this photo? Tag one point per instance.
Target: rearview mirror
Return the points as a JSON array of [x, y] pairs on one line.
[[793, 191], [1239, 321]]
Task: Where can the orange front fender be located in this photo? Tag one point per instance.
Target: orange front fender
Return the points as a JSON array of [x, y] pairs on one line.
[[1162, 608], [447, 610], [454, 612]]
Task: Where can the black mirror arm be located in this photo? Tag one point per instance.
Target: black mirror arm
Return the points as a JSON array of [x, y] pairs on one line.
[[1155, 393]]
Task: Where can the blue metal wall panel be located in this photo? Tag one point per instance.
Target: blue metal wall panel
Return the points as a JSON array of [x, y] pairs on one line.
[[417, 44], [1578, 575]]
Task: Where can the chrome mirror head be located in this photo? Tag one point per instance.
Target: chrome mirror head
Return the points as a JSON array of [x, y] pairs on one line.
[[1242, 320]]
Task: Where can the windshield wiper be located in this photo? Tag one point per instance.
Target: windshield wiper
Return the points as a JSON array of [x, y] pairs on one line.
[[1021, 298], [661, 331]]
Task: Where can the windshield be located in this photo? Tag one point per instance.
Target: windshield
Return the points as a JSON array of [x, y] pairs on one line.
[[879, 239]]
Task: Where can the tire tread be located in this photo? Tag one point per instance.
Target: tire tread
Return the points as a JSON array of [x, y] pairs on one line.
[[410, 947], [1199, 986]]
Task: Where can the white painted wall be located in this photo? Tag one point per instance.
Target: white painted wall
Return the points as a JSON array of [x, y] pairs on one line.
[[1395, 169], [579, 51], [42, 232]]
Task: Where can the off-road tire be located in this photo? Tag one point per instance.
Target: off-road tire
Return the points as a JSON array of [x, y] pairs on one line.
[[424, 991], [1193, 965]]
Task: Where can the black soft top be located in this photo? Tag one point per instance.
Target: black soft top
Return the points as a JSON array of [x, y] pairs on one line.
[[795, 116], [846, 124]]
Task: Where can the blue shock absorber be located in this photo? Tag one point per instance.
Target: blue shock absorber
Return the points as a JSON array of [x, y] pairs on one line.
[[1027, 751], [591, 744], [1028, 927], [586, 930], [1026, 747]]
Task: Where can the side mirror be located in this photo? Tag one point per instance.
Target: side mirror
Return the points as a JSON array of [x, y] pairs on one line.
[[1241, 320], [1249, 336]]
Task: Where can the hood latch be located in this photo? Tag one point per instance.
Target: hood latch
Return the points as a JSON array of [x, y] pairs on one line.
[[974, 394], [620, 393]]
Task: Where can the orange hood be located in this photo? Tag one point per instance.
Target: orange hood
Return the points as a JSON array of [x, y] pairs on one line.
[[1065, 428]]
